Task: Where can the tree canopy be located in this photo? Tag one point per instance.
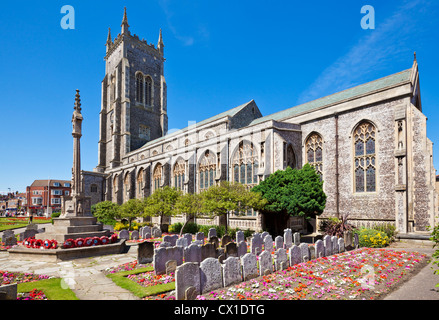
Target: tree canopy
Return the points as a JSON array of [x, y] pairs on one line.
[[162, 203]]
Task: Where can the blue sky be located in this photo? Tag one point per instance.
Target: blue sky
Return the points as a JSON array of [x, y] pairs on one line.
[[219, 54]]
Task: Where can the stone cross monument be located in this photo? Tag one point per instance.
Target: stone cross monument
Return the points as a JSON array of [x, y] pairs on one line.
[[76, 205]]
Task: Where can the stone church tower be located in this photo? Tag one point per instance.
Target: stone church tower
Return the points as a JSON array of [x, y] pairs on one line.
[[133, 110]]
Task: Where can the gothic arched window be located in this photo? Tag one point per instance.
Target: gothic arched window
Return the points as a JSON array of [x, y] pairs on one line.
[[140, 183], [365, 157], [139, 88], [148, 91], [178, 172], [157, 176], [115, 188], [126, 187], [314, 152], [245, 164], [207, 169]]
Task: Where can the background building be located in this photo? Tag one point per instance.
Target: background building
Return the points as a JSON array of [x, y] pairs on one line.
[[44, 196]]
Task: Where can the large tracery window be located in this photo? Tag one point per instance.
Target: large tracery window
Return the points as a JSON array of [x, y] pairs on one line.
[[207, 170], [245, 164], [314, 152], [157, 176], [365, 158], [179, 171], [140, 88]]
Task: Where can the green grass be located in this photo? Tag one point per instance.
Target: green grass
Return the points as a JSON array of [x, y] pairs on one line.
[[51, 288], [120, 279], [14, 223]]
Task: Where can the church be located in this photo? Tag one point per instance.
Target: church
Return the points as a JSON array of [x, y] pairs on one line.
[[369, 144]]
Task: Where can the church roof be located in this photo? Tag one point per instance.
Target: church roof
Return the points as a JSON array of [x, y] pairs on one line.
[[358, 91]]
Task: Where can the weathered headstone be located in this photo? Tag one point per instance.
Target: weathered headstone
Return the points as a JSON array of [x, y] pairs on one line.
[[334, 241], [211, 233], [348, 240], [296, 238], [8, 292], [249, 266], [208, 251], [356, 241], [210, 275], [199, 236], [156, 232], [278, 242], [312, 252], [187, 275], [231, 271], [280, 259], [181, 242], [170, 266], [145, 232], [124, 234], [231, 250], [188, 237], [214, 240], [328, 245], [145, 252], [268, 243], [304, 251], [225, 240], [135, 235], [239, 236], [320, 249], [172, 239], [341, 245], [163, 255], [256, 244], [165, 244], [295, 255], [288, 238], [192, 253], [9, 238], [265, 263], [242, 248], [264, 234]]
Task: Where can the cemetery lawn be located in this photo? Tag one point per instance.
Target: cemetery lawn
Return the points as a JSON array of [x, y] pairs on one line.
[[51, 288], [361, 274], [20, 222]]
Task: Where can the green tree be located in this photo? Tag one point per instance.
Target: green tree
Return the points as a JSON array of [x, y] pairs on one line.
[[162, 203], [106, 212], [190, 204], [291, 192], [131, 209], [220, 199]]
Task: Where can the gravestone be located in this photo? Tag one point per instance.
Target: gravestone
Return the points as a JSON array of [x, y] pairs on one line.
[[296, 238], [231, 271], [280, 259], [256, 244], [165, 244], [210, 275], [328, 245], [31, 231], [348, 240], [304, 252], [198, 242], [225, 240], [211, 233], [295, 255], [288, 238], [334, 241], [186, 276], [145, 232], [231, 250], [156, 232], [188, 237], [192, 253], [124, 234], [239, 236], [8, 292], [356, 241], [242, 248], [199, 236], [145, 252], [249, 266], [264, 234], [320, 249], [163, 255], [341, 245], [181, 242], [208, 251], [171, 266], [265, 263], [135, 235], [312, 252], [268, 243], [214, 240], [190, 293], [172, 239], [8, 238], [278, 242]]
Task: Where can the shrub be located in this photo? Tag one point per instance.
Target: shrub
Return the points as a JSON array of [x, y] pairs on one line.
[[372, 238], [220, 230], [120, 226], [335, 226], [388, 228]]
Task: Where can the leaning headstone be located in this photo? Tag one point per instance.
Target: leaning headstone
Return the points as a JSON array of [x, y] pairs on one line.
[[210, 275], [124, 234], [145, 252], [288, 238], [208, 251], [8, 292], [256, 244], [340, 245], [280, 259], [156, 232], [278, 242], [265, 263], [239, 236], [225, 240], [334, 241], [181, 242], [211, 233], [163, 255], [320, 249], [249, 266], [231, 250], [268, 243], [356, 241], [170, 266], [188, 237], [304, 252], [295, 255], [242, 248], [192, 253], [328, 245], [186, 276], [296, 238], [231, 271], [135, 235], [199, 236]]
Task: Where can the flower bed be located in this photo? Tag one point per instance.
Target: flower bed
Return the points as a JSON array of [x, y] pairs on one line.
[[364, 273], [7, 277], [32, 295], [147, 279]]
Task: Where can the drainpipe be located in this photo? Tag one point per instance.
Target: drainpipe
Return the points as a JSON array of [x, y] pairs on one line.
[[337, 194]]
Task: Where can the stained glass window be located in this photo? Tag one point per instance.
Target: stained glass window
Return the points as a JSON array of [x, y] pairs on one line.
[[157, 176], [314, 152], [179, 170], [139, 88], [365, 158], [245, 164]]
